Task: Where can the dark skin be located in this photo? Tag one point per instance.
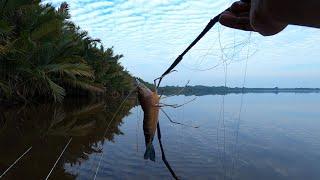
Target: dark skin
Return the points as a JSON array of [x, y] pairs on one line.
[[269, 17]]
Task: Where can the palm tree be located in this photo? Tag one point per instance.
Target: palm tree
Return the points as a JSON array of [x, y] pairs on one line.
[[42, 53]]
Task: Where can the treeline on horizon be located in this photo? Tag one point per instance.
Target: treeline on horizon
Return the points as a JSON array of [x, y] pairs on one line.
[[221, 90], [43, 55]]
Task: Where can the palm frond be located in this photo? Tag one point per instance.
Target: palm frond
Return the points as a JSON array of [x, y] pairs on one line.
[[10, 5], [43, 53], [46, 28], [58, 116], [57, 91], [4, 27], [78, 69], [4, 87], [84, 85]]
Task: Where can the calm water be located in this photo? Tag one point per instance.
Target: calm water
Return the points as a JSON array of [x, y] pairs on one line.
[[271, 136]]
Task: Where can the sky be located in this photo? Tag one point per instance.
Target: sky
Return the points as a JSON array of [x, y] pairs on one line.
[[152, 33]]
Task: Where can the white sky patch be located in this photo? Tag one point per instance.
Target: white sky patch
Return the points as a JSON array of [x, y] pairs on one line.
[[151, 33]]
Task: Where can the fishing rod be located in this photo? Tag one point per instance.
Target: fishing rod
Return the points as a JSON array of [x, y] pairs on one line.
[[212, 22]]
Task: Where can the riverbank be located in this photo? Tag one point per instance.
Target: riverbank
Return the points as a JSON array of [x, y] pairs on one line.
[[221, 90]]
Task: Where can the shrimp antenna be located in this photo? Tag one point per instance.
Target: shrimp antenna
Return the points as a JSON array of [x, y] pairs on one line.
[[175, 121], [176, 105], [176, 93]]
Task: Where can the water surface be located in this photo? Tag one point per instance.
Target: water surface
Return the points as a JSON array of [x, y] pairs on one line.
[[267, 136]]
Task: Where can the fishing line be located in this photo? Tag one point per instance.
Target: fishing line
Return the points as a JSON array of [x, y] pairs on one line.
[[239, 117], [222, 48], [222, 53], [218, 129], [204, 69], [117, 111], [221, 123], [221, 114], [100, 159], [180, 57], [223, 119], [240, 110], [225, 63], [137, 127], [55, 164], [212, 22], [2, 175], [212, 67], [200, 60], [175, 93]]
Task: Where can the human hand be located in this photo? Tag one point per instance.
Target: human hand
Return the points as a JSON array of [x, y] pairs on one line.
[[252, 16]]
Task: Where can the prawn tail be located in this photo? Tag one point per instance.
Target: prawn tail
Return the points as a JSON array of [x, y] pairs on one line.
[[150, 153]]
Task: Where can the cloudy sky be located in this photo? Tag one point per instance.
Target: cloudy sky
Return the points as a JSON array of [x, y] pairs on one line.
[[151, 33]]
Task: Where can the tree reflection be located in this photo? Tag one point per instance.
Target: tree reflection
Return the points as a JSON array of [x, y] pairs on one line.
[[47, 127]]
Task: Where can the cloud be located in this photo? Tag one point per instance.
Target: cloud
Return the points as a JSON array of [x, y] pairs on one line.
[[151, 33]]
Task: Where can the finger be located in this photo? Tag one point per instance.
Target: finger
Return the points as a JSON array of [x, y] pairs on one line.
[[230, 20], [243, 26], [246, 1], [227, 19], [240, 7], [244, 14]]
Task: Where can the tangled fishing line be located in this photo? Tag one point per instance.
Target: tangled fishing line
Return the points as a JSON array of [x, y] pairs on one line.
[[225, 61]]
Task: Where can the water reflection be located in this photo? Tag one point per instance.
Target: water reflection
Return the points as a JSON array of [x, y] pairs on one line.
[[270, 137], [2, 121], [47, 128]]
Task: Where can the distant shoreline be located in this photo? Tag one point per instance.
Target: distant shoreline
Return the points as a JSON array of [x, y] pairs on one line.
[[221, 90]]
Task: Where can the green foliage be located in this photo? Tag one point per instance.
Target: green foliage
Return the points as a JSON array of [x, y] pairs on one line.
[[5, 89], [43, 54]]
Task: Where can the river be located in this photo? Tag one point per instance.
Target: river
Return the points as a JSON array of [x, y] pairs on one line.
[[240, 136]]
